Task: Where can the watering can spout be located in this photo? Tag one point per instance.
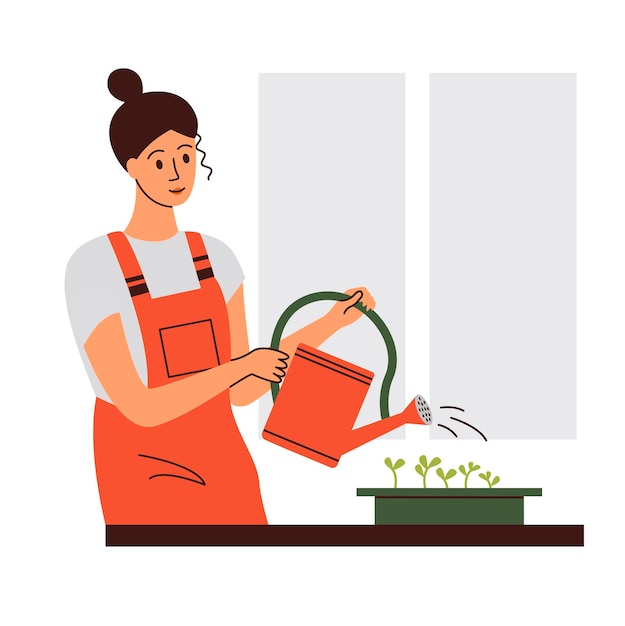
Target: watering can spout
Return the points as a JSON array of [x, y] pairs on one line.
[[417, 412]]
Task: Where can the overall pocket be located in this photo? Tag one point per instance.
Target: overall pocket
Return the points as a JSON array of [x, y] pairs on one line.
[[189, 348]]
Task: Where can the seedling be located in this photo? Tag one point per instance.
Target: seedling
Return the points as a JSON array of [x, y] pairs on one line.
[[445, 477], [422, 467], [463, 470], [490, 482], [394, 466]]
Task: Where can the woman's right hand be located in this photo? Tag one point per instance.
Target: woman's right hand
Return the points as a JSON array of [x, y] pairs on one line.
[[265, 363]]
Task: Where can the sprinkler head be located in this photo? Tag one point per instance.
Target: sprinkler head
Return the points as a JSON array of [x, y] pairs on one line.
[[417, 412], [424, 410]]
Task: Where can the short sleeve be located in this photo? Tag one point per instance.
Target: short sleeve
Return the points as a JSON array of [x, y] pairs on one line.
[[94, 287], [226, 266]]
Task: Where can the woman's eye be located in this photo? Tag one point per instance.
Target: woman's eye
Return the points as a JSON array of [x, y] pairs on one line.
[[159, 164], [186, 158]]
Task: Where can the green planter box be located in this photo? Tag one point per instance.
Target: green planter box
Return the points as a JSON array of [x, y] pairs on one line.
[[449, 506]]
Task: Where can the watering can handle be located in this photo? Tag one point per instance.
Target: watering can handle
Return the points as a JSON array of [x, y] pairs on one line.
[[372, 315]]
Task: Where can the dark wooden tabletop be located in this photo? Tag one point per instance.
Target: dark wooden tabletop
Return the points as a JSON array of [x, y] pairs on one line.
[[346, 535]]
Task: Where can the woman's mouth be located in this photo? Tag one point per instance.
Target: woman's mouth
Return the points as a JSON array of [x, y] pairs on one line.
[[177, 190]]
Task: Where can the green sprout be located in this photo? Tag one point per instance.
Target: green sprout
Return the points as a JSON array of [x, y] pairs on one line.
[[445, 477], [394, 466], [422, 467], [490, 482], [463, 470]]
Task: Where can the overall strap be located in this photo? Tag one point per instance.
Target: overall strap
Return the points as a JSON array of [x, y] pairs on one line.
[[200, 258], [129, 264]]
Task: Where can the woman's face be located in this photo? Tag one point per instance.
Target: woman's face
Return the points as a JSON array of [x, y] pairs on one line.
[[165, 170]]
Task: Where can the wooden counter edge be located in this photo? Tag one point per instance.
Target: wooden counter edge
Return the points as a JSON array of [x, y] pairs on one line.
[[345, 535]]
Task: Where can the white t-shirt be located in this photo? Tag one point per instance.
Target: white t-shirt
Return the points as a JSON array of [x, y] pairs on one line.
[[95, 287]]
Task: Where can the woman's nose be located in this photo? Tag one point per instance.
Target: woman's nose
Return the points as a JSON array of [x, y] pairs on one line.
[[177, 176]]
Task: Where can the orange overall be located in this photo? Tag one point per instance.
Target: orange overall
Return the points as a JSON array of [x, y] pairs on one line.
[[194, 469]]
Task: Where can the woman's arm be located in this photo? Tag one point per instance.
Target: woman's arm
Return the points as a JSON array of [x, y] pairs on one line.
[[314, 334], [112, 362]]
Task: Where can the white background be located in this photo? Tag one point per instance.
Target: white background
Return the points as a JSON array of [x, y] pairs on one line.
[[62, 187]]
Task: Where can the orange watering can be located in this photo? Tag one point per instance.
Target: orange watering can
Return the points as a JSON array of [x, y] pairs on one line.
[[315, 408]]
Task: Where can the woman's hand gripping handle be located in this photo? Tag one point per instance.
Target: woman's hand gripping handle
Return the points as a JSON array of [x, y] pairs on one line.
[[265, 363]]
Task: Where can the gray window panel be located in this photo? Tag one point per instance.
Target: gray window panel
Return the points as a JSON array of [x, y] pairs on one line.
[[503, 255], [332, 209]]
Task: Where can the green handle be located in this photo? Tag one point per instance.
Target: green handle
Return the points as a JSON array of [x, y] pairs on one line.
[[372, 315]]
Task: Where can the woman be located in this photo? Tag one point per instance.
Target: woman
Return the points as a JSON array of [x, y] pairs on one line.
[[159, 318]]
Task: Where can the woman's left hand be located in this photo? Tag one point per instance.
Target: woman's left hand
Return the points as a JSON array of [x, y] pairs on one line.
[[345, 312]]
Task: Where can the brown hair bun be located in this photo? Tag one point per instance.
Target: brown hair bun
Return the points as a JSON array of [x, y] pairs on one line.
[[125, 84]]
